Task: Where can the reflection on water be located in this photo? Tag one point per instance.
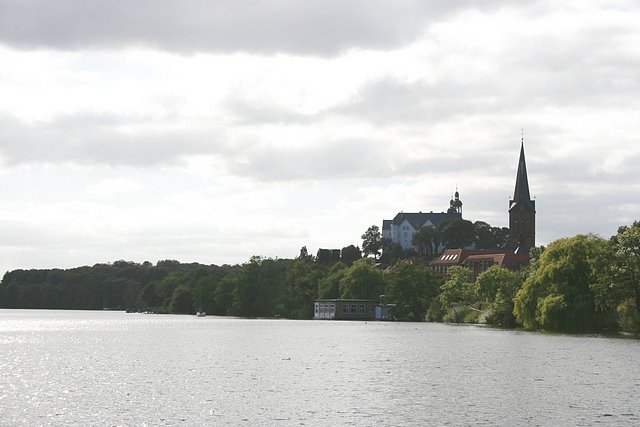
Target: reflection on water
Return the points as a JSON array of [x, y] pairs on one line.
[[112, 368]]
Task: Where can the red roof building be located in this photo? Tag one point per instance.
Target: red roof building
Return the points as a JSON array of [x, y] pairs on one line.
[[478, 260]]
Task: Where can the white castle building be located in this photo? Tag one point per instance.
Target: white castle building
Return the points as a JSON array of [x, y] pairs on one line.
[[402, 228]]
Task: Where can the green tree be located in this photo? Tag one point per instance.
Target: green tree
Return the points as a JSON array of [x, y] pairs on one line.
[[329, 285], [623, 287], [327, 256], [167, 286], [223, 295], [362, 281], [302, 288], [427, 240], [182, 301], [457, 295], [558, 294], [372, 241], [498, 286], [550, 311], [391, 251], [350, 254], [458, 288], [258, 291], [411, 287], [457, 234]]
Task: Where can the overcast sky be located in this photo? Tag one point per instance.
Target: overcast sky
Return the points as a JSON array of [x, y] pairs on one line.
[[211, 131]]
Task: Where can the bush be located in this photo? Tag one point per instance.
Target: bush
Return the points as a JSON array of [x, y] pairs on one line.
[[628, 317], [487, 316], [472, 316], [457, 313], [435, 312]]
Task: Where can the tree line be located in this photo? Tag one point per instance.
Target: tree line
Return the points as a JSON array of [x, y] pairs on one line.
[[580, 283]]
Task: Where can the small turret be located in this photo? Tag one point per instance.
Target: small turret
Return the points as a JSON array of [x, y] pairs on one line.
[[455, 205]]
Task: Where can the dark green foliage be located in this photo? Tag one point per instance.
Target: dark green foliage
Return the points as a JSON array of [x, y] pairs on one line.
[[497, 286], [222, 297], [328, 256], [350, 254], [457, 234], [427, 240], [372, 241], [259, 288], [329, 286], [362, 280], [622, 285], [411, 287], [488, 237], [302, 289], [181, 301], [391, 252]]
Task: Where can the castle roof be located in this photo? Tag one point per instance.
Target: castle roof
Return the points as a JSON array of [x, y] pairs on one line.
[[419, 219]]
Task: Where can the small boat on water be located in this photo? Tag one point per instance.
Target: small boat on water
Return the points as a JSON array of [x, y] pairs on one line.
[[201, 313]]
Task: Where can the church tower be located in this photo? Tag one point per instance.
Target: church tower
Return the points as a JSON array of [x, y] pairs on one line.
[[522, 211]]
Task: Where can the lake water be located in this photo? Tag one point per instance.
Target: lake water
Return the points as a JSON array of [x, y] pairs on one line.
[[112, 368]]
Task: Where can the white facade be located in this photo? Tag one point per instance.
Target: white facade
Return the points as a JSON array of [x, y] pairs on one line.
[[402, 228]]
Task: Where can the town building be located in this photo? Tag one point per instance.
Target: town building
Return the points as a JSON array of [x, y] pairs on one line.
[[401, 229], [478, 260]]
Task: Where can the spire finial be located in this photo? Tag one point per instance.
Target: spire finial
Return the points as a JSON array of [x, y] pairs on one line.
[[522, 136]]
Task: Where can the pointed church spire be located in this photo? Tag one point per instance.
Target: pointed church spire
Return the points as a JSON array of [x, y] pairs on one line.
[[521, 195], [522, 211]]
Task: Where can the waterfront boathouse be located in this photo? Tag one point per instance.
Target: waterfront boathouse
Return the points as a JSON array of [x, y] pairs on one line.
[[351, 309]]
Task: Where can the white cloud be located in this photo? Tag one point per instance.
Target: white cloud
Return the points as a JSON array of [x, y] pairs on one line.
[[114, 186], [147, 137]]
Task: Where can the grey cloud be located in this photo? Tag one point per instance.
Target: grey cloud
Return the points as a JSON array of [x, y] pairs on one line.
[[334, 159], [360, 158], [97, 139], [321, 27], [388, 101]]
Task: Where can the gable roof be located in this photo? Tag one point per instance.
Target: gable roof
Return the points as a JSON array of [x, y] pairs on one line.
[[457, 256], [464, 256]]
